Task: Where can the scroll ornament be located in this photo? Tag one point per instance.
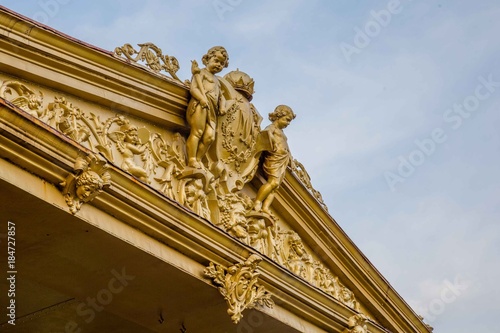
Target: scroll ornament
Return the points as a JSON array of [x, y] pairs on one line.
[[152, 56], [300, 171], [90, 179], [239, 286], [22, 96]]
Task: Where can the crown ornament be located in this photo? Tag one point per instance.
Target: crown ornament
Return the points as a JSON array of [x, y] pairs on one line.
[[242, 82]]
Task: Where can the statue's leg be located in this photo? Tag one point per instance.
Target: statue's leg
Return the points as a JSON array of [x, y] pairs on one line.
[[267, 202], [205, 142], [197, 122], [265, 191]]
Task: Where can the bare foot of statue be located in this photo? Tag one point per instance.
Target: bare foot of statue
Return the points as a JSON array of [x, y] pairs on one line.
[[194, 163], [266, 210], [257, 206]]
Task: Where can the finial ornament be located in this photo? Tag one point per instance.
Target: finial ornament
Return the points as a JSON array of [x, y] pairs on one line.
[[239, 286], [90, 179]]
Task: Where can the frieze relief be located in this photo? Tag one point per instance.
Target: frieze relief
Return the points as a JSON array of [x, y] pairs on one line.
[[205, 171]]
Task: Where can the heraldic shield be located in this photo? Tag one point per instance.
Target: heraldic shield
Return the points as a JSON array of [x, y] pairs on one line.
[[234, 156]]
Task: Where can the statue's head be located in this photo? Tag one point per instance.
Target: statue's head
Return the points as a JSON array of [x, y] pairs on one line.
[[88, 184], [216, 52], [131, 134], [281, 111]]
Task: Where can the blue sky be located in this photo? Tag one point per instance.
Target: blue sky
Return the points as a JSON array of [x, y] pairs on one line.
[[361, 118]]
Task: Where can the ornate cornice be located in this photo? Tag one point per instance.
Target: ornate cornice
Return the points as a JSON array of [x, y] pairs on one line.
[[55, 60]]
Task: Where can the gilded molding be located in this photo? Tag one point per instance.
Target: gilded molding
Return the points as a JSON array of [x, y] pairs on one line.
[[239, 286], [429, 327], [152, 56], [90, 178]]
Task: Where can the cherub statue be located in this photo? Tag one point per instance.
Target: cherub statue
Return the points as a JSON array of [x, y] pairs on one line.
[[207, 101], [276, 158], [128, 144]]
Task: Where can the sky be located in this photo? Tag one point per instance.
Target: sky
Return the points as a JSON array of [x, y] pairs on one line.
[[398, 120]]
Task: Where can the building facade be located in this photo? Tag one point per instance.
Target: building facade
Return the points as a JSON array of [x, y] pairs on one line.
[[138, 202]]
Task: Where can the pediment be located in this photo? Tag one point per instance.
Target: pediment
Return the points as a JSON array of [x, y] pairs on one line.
[[157, 157]]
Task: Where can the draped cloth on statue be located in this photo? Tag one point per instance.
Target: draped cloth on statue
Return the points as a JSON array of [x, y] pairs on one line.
[[276, 161], [212, 100]]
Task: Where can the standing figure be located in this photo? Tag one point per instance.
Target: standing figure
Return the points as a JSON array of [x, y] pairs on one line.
[[277, 158], [206, 103]]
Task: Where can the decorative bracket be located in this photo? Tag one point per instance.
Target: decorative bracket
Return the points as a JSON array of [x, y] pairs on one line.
[[239, 286], [152, 56], [90, 178], [357, 324]]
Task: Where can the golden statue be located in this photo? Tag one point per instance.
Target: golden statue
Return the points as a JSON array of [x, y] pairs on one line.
[[276, 158], [207, 101]]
